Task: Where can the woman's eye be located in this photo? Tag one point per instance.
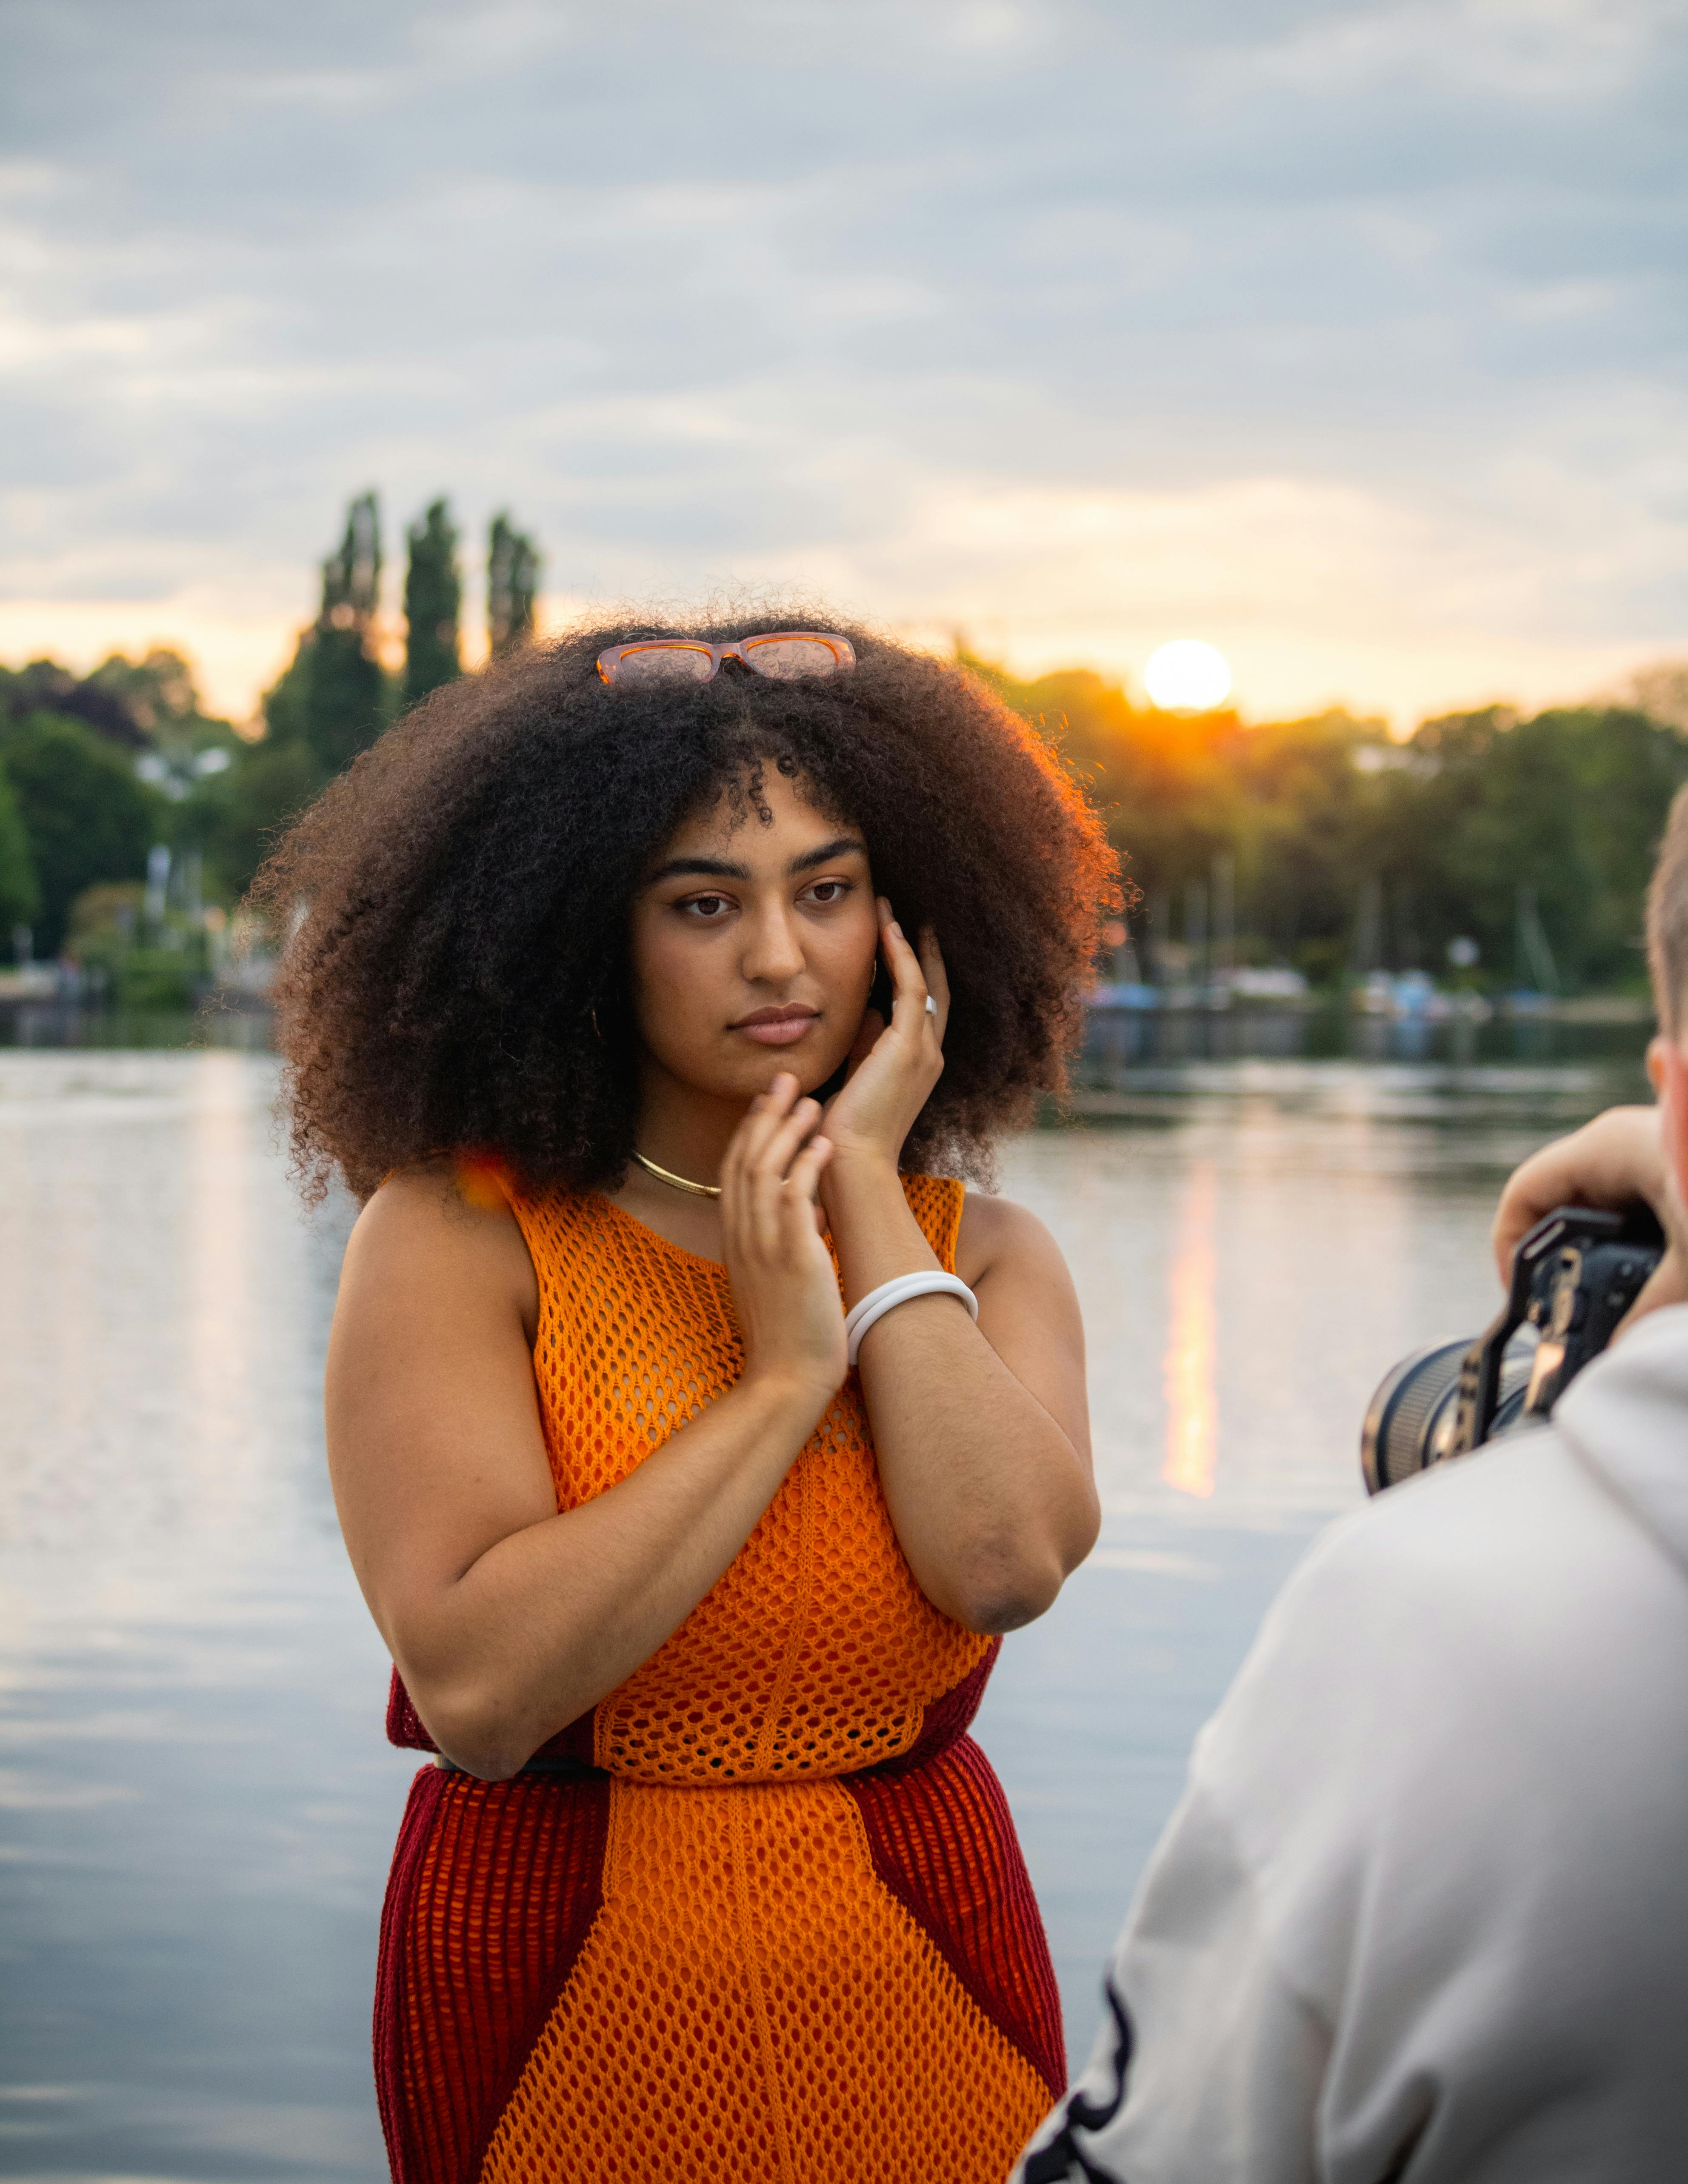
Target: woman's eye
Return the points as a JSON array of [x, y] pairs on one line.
[[827, 891], [706, 905]]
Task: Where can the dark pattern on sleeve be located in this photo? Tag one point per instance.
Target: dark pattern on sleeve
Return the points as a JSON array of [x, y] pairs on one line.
[[1062, 2159]]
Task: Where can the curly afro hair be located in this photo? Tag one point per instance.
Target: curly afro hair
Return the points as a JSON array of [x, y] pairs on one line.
[[454, 981]]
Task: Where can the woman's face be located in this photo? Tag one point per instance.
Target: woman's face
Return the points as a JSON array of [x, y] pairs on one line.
[[753, 946]]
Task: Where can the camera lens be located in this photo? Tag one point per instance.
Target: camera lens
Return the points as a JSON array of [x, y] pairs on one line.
[[1409, 1418], [1400, 1422]]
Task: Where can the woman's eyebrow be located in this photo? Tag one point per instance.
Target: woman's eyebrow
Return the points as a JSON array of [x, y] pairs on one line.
[[718, 868], [841, 845], [707, 868]]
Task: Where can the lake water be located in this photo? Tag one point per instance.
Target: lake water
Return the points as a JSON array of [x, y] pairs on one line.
[[196, 1805]]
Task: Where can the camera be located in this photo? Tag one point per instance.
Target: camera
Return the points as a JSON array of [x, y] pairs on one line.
[[1575, 1275]]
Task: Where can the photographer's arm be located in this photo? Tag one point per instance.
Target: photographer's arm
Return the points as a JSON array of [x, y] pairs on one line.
[[1611, 1162]]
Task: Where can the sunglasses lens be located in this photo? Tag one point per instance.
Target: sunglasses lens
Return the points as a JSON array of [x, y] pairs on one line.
[[782, 657], [665, 663]]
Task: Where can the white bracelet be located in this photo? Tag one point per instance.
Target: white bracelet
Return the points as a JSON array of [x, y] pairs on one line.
[[898, 1290]]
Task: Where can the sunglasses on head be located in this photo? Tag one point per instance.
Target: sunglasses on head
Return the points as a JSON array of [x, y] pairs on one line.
[[783, 655]]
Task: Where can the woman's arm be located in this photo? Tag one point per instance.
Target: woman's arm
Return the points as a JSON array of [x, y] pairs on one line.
[[982, 1432], [506, 1618]]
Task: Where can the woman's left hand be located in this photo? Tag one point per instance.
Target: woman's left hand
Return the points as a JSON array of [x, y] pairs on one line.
[[985, 1473], [894, 1067]]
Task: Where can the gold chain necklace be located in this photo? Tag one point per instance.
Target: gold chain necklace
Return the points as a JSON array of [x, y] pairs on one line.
[[677, 1181]]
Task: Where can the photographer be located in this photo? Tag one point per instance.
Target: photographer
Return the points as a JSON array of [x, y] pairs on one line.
[[1422, 1913]]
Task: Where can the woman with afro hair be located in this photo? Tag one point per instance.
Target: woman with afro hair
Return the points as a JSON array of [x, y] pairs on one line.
[[694, 1434]]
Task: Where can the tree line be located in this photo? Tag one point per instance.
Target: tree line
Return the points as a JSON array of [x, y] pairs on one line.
[[1322, 843], [97, 772], [1488, 849]]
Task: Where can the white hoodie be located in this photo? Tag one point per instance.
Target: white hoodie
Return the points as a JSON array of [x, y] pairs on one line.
[[1422, 1913]]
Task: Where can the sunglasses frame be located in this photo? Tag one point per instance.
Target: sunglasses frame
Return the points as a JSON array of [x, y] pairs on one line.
[[843, 651]]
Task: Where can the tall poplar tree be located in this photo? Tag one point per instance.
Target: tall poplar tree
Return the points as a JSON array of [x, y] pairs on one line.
[[343, 703], [433, 600], [512, 582]]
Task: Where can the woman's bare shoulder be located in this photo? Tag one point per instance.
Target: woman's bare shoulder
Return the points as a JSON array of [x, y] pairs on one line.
[[998, 1231], [424, 1228]]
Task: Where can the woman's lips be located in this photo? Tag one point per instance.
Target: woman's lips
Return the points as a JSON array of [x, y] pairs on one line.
[[769, 1030]]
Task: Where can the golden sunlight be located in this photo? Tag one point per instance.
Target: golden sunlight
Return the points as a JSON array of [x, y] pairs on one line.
[[1192, 1406], [1188, 677]]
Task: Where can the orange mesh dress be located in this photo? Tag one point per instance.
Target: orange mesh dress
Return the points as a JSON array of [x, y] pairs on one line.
[[762, 1916]]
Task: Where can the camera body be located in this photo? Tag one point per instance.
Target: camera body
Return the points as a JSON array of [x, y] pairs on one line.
[[1575, 1276]]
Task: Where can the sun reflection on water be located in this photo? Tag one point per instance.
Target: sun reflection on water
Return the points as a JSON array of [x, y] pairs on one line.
[[1192, 1406]]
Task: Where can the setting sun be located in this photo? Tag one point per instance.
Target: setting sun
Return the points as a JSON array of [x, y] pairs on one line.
[[1188, 677]]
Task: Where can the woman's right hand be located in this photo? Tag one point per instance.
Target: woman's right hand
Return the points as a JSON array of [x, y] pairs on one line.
[[784, 1285]]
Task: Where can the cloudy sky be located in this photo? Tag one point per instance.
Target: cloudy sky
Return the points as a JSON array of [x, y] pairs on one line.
[[1350, 337]]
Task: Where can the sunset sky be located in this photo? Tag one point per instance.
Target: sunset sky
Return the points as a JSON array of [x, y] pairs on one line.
[[1348, 338]]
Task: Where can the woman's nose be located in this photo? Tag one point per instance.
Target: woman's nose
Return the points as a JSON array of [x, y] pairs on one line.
[[774, 951]]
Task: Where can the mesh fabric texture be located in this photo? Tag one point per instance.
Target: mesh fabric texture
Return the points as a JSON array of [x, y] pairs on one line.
[[787, 1933]]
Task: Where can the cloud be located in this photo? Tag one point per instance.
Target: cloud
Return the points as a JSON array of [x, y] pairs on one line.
[[1353, 330], [1581, 51]]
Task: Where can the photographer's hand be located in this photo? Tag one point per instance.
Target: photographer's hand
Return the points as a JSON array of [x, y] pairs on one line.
[[1610, 1162]]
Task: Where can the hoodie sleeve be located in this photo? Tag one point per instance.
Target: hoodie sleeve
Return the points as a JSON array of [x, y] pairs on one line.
[[1423, 1900], [1208, 2066]]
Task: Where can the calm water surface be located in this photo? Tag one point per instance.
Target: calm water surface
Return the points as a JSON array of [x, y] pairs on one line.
[[196, 1806]]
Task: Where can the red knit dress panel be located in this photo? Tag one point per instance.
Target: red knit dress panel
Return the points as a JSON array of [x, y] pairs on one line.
[[943, 1844], [495, 1887]]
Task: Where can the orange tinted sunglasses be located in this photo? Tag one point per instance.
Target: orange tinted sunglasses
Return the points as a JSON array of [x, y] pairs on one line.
[[783, 655]]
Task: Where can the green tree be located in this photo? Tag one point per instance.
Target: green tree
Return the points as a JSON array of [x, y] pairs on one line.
[[1314, 806], [345, 705], [1569, 804], [1166, 784], [1330, 829], [286, 705], [44, 686], [20, 891], [512, 584], [433, 600], [159, 690], [186, 744], [1628, 767], [234, 816], [86, 816], [234, 820]]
